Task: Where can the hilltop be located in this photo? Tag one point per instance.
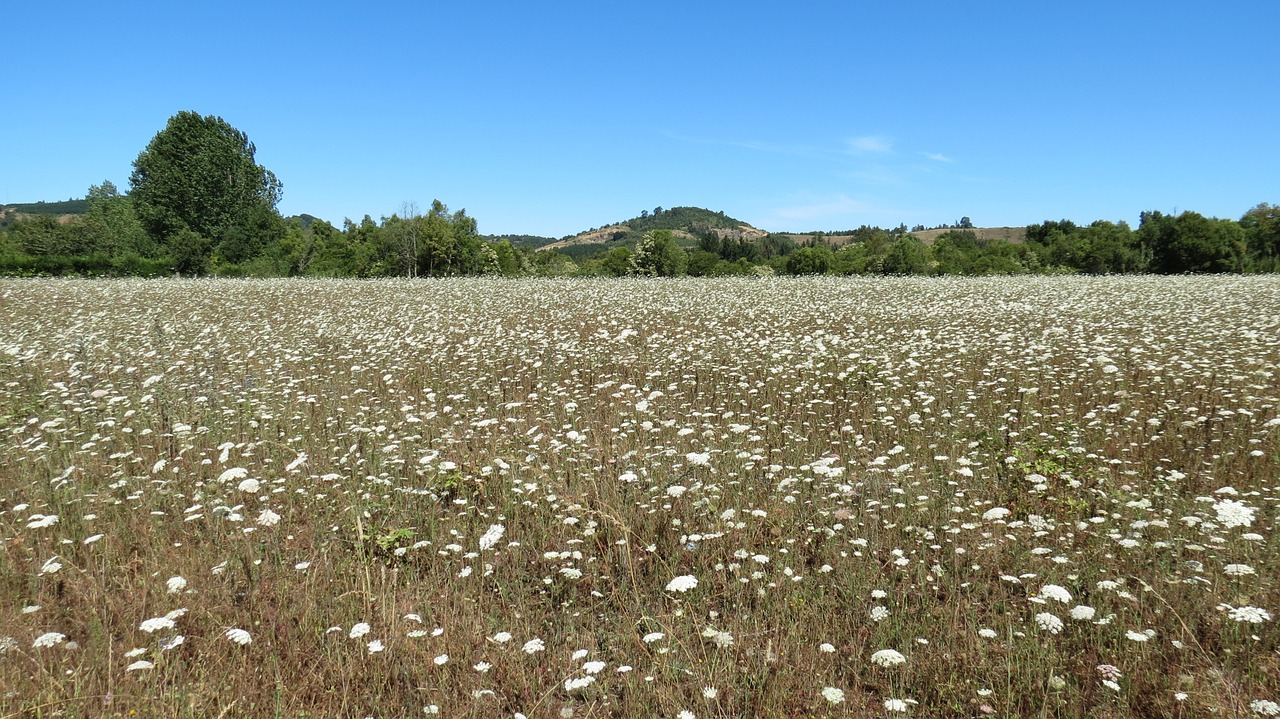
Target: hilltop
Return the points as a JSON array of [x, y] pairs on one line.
[[62, 211], [687, 224]]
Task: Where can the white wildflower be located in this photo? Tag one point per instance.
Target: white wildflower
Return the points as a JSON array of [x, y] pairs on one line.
[[1232, 513], [1265, 707], [698, 459], [155, 624], [1251, 615], [239, 636], [1055, 592], [897, 705], [1083, 613], [1049, 622], [491, 537], [49, 639], [682, 583], [888, 658]]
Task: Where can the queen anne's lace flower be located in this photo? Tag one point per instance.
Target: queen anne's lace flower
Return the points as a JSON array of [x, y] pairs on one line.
[[239, 636], [1055, 592], [156, 624], [49, 639], [1265, 707], [1232, 513], [1049, 622], [888, 658], [682, 583], [1251, 615], [491, 536]]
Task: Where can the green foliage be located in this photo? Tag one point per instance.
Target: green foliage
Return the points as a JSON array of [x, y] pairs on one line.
[[110, 224], [1261, 227], [553, 264], [776, 245], [618, 262], [197, 178], [810, 261], [65, 207], [529, 242], [1191, 242], [658, 255], [854, 259], [702, 262], [907, 256], [393, 540], [694, 220], [511, 262], [443, 243]]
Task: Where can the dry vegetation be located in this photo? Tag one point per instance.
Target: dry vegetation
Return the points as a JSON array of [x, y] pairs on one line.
[[1047, 497]]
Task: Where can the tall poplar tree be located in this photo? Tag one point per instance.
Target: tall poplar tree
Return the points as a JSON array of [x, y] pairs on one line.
[[196, 184]]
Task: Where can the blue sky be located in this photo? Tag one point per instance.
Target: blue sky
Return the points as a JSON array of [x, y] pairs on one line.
[[550, 118]]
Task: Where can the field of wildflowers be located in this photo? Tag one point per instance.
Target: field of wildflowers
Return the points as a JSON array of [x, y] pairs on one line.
[[722, 498]]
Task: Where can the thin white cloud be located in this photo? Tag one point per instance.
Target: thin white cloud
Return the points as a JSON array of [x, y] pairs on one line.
[[870, 144], [937, 157], [835, 206], [818, 153]]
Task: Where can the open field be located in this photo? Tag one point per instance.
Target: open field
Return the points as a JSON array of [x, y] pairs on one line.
[[820, 497]]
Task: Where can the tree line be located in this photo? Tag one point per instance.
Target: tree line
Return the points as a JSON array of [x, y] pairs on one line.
[[1162, 244], [200, 204]]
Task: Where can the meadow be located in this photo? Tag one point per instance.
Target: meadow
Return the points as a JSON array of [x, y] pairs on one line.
[[784, 497]]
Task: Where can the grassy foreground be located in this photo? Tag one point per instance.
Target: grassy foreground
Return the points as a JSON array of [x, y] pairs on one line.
[[758, 497]]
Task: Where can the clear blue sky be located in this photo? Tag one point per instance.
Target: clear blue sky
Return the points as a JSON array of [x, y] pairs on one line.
[[550, 118]]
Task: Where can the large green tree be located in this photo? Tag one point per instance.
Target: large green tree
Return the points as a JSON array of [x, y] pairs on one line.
[[1262, 234], [657, 254], [1191, 242], [111, 226], [198, 177]]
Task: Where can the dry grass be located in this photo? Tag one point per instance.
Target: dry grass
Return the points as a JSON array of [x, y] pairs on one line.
[[828, 458]]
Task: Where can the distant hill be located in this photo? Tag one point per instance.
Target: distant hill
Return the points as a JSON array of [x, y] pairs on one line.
[[532, 242], [1013, 235], [63, 210], [65, 207], [686, 223], [304, 220]]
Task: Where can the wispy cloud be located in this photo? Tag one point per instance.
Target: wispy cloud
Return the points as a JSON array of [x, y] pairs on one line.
[[870, 144], [937, 157], [837, 207], [759, 146]]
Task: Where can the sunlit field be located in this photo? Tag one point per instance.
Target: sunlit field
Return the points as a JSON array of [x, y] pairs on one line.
[[639, 498]]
